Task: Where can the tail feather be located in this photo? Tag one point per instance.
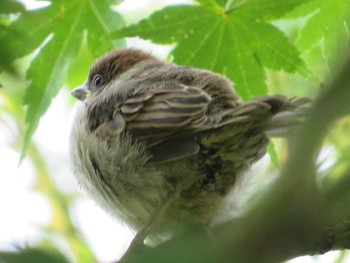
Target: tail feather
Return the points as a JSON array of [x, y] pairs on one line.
[[286, 115], [276, 116]]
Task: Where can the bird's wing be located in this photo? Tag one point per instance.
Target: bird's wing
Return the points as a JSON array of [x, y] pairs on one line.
[[161, 118], [167, 110]]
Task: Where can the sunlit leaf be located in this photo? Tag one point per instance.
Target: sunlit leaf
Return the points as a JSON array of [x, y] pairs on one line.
[[59, 30], [271, 149], [329, 23], [269, 9], [238, 43]]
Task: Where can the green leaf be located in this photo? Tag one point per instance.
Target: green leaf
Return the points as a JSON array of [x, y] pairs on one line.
[[79, 68], [269, 9], [11, 6], [271, 149], [56, 33], [232, 43], [101, 20], [32, 256], [213, 4], [329, 24], [5, 52]]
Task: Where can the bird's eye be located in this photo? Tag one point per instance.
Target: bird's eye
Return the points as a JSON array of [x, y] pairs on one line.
[[97, 80]]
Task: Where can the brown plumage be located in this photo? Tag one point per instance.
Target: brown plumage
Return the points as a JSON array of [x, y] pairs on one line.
[[159, 146]]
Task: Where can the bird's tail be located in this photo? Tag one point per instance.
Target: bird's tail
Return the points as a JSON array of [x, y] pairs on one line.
[[276, 116], [287, 116]]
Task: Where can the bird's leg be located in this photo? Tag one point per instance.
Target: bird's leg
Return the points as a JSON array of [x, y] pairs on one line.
[[141, 235]]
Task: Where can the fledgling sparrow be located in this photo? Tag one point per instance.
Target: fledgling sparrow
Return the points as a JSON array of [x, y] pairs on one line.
[[159, 146]]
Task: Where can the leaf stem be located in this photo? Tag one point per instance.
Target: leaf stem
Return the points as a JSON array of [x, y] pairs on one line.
[[228, 6]]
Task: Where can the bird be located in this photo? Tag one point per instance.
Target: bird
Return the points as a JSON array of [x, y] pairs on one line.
[[160, 146]]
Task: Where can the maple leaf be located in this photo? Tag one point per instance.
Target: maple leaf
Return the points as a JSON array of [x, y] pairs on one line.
[[329, 24], [234, 38], [56, 33]]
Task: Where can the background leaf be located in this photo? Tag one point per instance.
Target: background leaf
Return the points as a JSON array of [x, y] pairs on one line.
[[233, 44], [32, 256], [269, 9], [10, 7], [329, 25], [59, 29]]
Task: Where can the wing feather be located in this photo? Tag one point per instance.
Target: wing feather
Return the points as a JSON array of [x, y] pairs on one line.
[[164, 111]]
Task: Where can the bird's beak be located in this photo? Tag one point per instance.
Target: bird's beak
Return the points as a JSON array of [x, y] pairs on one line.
[[81, 93]]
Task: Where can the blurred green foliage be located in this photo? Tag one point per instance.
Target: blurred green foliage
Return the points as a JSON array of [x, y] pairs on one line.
[[33, 256]]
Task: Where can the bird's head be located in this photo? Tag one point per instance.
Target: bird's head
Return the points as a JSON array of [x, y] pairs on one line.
[[108, 68]]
